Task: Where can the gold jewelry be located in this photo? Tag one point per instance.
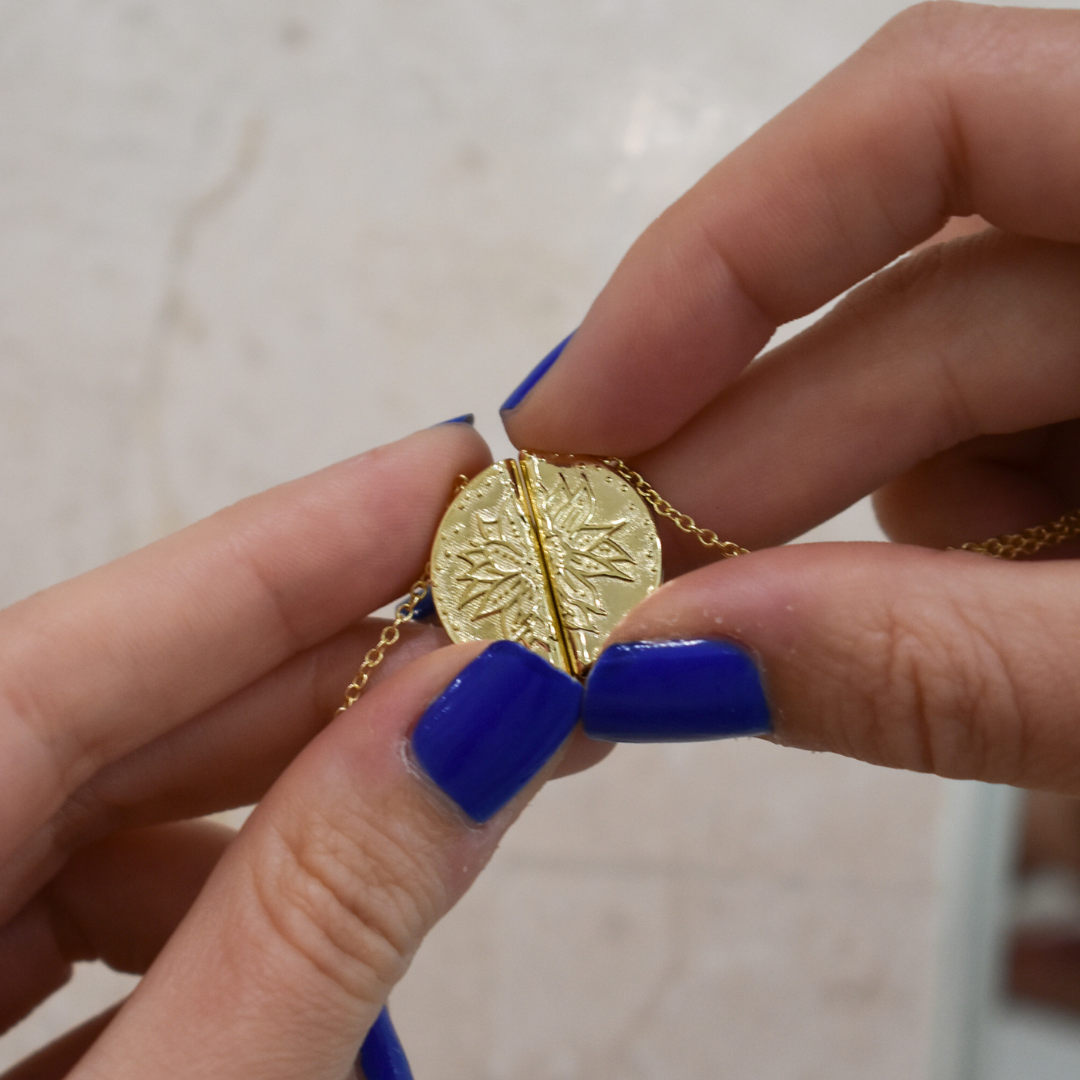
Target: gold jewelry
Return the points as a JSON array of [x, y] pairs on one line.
[[389, 636], [727, 548], [552, 550], [1015, 545]]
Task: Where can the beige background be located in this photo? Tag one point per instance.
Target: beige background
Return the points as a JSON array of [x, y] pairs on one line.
[[240, 239]]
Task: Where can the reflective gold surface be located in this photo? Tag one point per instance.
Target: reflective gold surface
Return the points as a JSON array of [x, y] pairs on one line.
[[599, 544], [486, 574], [552, 553]]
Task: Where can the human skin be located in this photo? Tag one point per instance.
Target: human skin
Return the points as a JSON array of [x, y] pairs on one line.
[[948, 384], [202, 673]]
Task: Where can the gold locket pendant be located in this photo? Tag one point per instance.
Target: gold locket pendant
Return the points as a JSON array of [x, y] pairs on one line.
[[551, 550]]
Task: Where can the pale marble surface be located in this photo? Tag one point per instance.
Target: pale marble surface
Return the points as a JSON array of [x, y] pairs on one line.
[[243, 238], [733, 910]]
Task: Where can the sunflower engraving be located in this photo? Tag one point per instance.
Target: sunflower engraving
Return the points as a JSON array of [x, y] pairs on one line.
[[583, 549], [497, 578]]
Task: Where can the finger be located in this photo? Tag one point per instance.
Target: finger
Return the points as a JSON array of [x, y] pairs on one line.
[[976, 337], [950, 109], [954, 229], [985, 487], [228, 756], [231, 754], [223, 758], [116, 901], [101, 664], [581, 753], [943, 662], [312, 915], [382, 1057], [56, 1060]]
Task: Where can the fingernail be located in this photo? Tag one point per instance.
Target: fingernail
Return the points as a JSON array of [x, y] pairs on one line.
[[464, 418], [661, 691], [534, 376], [381, 1056], [425, 606], [495, 726]]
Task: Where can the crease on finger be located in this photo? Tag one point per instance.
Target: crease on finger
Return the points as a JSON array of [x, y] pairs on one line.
[[727, 267], [224, 758]]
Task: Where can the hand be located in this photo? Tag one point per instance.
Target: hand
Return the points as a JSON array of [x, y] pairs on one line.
[[948, 383], [184, 679]]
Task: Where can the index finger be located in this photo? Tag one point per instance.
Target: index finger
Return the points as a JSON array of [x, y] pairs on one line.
[[951, 109], [96, 666]]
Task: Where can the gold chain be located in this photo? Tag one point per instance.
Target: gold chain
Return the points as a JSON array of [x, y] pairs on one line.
[[1014, 545], [1008, 546], [728, 548], [388, 637], [392, 633]]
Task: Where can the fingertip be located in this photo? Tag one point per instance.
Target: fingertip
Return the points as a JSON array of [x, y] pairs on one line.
[[582, 752], [382, 1057], [495, 727], [675, 691], [525, 387], [671, 329], [943, 662], [466, 439]]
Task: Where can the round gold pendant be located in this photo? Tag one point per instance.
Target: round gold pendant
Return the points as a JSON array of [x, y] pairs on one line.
[[551, 551]]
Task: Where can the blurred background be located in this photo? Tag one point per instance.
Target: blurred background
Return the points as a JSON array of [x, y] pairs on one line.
[[241, 239]]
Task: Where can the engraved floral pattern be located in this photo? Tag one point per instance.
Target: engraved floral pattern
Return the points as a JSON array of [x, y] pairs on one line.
[[492, 568], [585, 550], [598, 554]]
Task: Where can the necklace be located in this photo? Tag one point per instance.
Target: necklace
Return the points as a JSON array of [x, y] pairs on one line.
[[552, 550]]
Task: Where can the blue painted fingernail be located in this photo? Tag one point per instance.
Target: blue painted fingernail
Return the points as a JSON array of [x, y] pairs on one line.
[[464, 418], [534, 376], [425, 606], [382, 1057], [495, 726], [669, 691]]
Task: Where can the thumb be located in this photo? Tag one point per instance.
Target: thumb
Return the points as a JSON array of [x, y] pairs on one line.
[[943, 662], [286, 959]]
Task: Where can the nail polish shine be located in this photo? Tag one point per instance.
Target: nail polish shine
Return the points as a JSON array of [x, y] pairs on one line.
[[495, 726], [382, 1056], [670, 691], [425, 606]]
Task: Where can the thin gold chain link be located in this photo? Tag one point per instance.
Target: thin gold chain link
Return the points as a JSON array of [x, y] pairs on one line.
[[728, 548], [1016, 545], [389, 636], [1007, 546]]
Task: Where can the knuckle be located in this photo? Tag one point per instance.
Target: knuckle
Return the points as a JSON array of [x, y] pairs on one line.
[[934, 27], [351, 898], [940, 39], [913, 280], [87, 814], [929, 286]]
